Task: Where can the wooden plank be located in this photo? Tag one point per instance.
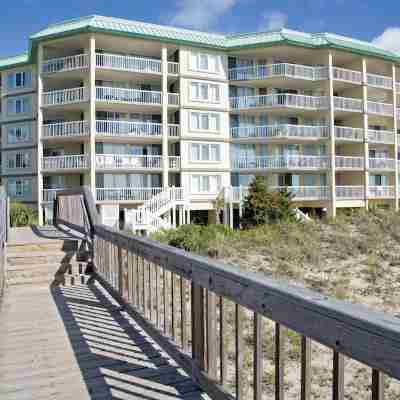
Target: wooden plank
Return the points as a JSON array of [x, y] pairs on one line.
[[157, 295], [165, 302], [212, 349], [336, 324], [239, 370], [173, 308], [279, 362], [338, 376], [257, 357], [305, 368], [223, 351], [377, 386], [184, 316], [198, 338], [150, 283]]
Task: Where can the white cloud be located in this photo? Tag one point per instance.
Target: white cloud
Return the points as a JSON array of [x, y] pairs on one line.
[[273, 20], [200, 14], [389, 39]]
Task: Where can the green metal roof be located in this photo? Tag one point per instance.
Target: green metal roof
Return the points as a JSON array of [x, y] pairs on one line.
[[169, 34]]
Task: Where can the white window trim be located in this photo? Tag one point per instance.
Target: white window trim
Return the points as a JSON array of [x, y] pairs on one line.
[[209, 114], [198, 69], [200, 176], [209, 152], [27, 135], [24, 155], [208, 100]]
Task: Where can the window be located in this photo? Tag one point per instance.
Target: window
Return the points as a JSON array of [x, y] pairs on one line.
[[205, 152], [18, 160], [19, 80], [19, 105], [200, 91], [18, 187], [204, 62], [18, 134], [204, 121], [205, 183]]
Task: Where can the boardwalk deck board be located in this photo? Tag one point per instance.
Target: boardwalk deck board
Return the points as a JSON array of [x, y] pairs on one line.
[[74, 342]]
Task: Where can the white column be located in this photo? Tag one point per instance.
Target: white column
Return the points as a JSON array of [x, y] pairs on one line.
[[396, 142], [164, 61], [365, 127], [92, 113], [231, 215], [332, 149], [39, 133]]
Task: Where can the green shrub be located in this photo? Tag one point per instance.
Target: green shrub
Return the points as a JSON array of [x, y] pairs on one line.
[[22, 215], [263, 206]]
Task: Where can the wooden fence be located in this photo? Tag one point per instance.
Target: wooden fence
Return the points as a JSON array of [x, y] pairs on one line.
[[199, 312]]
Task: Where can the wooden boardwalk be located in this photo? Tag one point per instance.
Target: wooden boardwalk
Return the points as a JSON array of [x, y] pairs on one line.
[[74, 342]]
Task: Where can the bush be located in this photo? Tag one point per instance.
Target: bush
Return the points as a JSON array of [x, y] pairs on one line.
[[22, 215], [263, 206]]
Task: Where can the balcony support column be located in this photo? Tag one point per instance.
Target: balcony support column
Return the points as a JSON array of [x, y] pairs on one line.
[[332, 152], [396, 143], [164, 63], [92, 113], [365, 127], [39, 133]]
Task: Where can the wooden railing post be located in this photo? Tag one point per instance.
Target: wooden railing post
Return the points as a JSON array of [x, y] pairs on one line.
[[198, 348]]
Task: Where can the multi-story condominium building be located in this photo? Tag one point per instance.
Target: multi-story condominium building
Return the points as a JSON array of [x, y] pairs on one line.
[[160, 122]]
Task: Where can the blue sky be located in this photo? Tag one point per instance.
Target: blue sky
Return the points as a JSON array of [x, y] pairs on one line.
[[362, 19]]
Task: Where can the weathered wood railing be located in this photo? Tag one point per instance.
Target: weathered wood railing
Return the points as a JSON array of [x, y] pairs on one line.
[[209, 317]]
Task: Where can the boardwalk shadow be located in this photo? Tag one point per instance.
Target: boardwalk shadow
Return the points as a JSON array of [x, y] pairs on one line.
[[117, 359]]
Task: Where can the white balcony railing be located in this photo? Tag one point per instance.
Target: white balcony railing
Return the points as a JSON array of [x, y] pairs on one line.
[[127, 161], [398, 88], [66, 129], [306, 192], [281, 162], [127, 193], [280, 131], [63, 64], [278, 101], [265, 71], [173, 130], [347, 104], [381, 191], [174, 162], [347, 75], [65, 96], [173, 68], [349, 162], [50, 194], [349, 192], [173, 99], [348, 133], [380, 81], [386, 137], [128, 128], [380, 108], [128, 63], [128, 96], [381, 163], [79, 161]]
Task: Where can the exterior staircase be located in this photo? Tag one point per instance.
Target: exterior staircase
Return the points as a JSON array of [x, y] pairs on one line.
[[149, 216], [42, 262]]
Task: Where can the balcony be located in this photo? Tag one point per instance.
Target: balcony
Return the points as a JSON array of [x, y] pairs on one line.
[[173, 99], [382, 163], [384, 109], [282, 162], [48, 195], [66, 129], [127, 161], [284, 70], [349, 192], [174, 162], [347, 104], [279, 101], [349, 134], [283, 131], [128, 96], [70, 162], [349, 162], [126, 193], [306, 192], [173, 68], [65, 64], [380, 81], [65, 96], [385, 137], [380, 192], [128, 63], [347, 75]]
